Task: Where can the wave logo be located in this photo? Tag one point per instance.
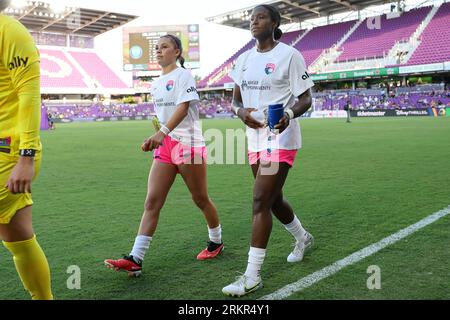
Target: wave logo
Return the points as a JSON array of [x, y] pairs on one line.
[[270, 68], [169, 85]]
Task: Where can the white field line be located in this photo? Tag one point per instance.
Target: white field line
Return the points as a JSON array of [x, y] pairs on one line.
[[317, 276]]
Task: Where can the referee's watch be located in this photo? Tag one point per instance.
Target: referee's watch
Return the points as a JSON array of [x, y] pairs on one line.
[[27, 152]]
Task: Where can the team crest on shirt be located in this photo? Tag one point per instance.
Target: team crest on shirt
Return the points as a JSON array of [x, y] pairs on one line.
[[270, 68], [170, 85]]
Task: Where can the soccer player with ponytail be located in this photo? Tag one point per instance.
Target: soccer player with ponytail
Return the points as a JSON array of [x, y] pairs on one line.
[[272, 73], [178, 147]]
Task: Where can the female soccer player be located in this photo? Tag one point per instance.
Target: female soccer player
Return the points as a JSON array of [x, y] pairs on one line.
[[270, 73], [20, 153], [178, 147]]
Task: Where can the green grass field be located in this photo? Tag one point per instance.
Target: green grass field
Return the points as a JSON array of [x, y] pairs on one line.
[[352, 185]]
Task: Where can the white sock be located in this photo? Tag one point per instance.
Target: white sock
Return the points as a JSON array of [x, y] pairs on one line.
[[215, 235], [140, 247], [295, 228], [255, 260]]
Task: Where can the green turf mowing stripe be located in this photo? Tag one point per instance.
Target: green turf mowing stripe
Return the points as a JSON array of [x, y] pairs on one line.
[[317, 276]]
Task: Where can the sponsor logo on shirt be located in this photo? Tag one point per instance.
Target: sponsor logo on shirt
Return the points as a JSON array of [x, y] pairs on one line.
[[18, 62], [191, 89], [270, 68], [253, 85], [5, 144], [161, 103], [305, 76], [170, 85]]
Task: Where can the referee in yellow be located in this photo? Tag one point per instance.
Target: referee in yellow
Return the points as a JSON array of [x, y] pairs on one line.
[[20, 152]]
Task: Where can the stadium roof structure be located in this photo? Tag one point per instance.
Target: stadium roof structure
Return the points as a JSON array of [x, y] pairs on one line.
[[43, 17], [293, 11]]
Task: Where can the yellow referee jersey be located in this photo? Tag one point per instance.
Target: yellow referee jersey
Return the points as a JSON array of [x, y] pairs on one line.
[[20, 99]]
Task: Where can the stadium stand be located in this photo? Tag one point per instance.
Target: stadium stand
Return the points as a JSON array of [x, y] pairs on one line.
[[363, 43], [221, 71], [79, 71], [290, 37], [420, 97], [434, 46], [85, 111], [373, 42], [321, 38], [98, 69], [215, 105], [63, 68], [403, 98], [311, 46], [57, 71]]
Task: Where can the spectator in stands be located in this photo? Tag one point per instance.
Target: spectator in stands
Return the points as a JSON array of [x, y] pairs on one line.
[[270, 157], [179, 147], [20, 153]]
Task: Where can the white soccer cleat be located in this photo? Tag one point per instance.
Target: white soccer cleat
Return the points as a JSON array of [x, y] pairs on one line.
[[300, 248], [242, 286]]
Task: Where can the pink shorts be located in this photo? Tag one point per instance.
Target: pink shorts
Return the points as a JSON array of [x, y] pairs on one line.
[[276, 155], [173, 152]]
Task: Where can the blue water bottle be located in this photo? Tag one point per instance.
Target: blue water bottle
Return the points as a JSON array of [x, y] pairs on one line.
[[276, 112]]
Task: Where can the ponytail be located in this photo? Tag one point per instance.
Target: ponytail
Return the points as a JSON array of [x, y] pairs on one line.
[[277, 33], [181, 59]]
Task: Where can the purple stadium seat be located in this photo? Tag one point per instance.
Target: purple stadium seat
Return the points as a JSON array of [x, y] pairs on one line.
[[375, 42], [58, 72], [321, 38], [434, 46], [98, 69]]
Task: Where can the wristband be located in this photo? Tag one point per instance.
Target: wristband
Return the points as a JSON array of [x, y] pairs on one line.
[[164, 129], [290, 113], [27, 152], [235, 109]]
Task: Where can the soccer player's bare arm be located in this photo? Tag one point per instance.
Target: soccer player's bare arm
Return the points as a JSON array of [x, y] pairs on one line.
[[236, 103], [178, 116], [156, 140], [302, 105]]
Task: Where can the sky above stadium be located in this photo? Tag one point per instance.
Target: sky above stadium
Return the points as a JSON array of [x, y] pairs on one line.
[[217, 42]]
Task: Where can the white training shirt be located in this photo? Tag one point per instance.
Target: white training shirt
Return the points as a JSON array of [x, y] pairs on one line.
[[168, 92], [273, 77]]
